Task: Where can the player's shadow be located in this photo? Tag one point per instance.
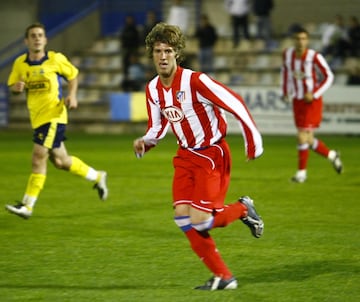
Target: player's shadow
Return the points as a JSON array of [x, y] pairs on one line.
[[301, 271], [296, 272]]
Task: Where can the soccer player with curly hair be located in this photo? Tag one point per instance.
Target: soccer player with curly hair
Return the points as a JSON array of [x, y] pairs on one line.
[[193, 105]]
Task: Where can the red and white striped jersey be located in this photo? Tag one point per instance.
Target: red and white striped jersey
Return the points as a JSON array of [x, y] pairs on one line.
[[310, 73], [194, 108]]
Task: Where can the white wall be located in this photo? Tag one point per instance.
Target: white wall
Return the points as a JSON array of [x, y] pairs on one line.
[[341, 111]]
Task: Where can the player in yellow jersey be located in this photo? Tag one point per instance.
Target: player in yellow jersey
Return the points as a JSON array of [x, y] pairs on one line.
[[38, 72]]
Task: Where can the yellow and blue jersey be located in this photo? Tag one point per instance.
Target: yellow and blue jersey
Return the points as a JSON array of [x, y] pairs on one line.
[[42, 78]]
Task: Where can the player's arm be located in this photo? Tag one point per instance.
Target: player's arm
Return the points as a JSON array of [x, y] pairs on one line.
[[285, 81], [71, 100], [284, 96], [16, 81], [67, 70], [157, 129], [222, 96], [18, 87], [328, 76]]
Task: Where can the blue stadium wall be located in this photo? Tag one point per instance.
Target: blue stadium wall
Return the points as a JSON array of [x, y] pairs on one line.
[[125, 107], [113, 12]]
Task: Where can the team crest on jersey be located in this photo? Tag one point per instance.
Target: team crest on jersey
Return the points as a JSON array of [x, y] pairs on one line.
[[173, 114], [180, 96]]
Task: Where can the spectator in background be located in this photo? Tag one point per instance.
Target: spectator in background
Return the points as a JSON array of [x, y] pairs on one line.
[[354, 76], [354, 37], [150, 22], [262, 10], [179, 16], [334, 42], [135, 79], [239, 12], [130, 42], [207, 37]]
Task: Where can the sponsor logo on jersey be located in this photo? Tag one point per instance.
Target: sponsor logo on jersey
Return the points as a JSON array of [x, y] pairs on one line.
[[38, 86], [173, 114]]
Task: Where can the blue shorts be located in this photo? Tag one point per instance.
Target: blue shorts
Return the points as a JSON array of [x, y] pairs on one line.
[[50, 135]]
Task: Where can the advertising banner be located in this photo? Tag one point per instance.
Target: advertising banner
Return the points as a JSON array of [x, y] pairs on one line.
[[341, 114]]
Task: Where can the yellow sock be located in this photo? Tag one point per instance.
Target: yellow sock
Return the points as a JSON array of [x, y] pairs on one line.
[[78, 167], [34, 186]]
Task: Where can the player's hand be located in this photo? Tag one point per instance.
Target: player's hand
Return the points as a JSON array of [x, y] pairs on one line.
[[285, 99], [139, 147], [71, 102], [18, 87], [308, 97]]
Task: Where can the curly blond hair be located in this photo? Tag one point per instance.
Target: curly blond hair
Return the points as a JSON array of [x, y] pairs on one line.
[[169, 34]]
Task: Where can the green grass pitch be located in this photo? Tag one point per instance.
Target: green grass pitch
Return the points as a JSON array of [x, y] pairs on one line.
[[77, 248]]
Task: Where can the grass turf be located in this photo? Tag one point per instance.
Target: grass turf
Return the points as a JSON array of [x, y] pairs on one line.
[[77, 248]]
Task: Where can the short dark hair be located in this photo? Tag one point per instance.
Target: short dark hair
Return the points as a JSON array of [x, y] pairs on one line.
[[300, 30], [34, 25]]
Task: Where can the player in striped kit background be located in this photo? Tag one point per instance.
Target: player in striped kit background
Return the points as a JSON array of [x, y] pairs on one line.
[[193, 105], [305, 77]]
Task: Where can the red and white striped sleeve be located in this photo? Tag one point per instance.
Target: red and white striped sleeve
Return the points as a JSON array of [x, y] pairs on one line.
[[328, 76], [157, 124], [285, 73], [227, 99]]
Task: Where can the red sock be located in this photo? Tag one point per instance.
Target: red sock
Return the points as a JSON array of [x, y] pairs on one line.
[[230, 213], [204, 246], [303, 155], [320, 148]]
